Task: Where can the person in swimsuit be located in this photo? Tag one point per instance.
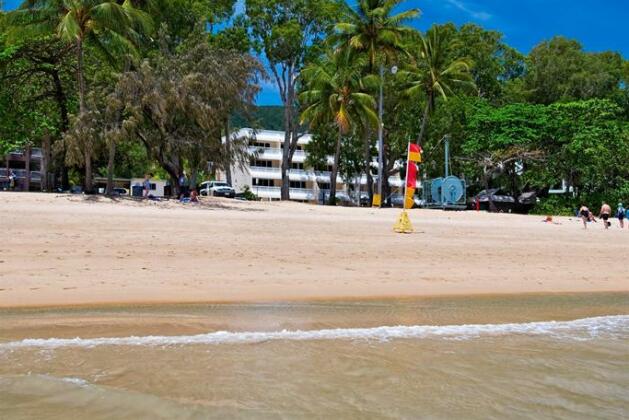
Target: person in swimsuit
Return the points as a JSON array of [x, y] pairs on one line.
[[147, 185], [585, 215], [620, 213], [605, 214]]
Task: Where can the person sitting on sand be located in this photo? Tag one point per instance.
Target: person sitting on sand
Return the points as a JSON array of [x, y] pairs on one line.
[[194, 196], [585, 214], [605, 214], [620, 214]]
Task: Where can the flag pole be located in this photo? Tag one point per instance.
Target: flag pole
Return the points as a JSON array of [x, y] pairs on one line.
[[403, 225], [408, 162]]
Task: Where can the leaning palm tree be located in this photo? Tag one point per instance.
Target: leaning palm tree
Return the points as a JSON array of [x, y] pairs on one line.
[[105, 24], [435, 73], [334, 94], [376, 33]]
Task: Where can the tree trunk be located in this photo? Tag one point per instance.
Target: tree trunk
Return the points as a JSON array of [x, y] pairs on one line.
[[87, 152], [45, 163], [60, 98], [367, 156], [335, 170], [491, 207], [110, 168], [422, 131], [228, 169], [285, 189], [88, 171], [386, 188], [192, 181], [27, 168], [80, 76]]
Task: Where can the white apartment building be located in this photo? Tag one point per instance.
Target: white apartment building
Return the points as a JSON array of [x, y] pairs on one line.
[[263, 176]]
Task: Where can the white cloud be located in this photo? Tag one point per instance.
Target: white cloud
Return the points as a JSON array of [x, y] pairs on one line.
[[476, 14]]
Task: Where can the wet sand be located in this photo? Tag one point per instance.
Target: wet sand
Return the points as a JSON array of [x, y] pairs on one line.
[[70, 250]]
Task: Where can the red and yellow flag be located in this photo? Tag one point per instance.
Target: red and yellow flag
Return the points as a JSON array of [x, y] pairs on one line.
[[414, 155]]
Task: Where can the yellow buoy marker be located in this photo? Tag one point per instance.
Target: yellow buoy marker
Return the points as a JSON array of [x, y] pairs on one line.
[[403, 224]]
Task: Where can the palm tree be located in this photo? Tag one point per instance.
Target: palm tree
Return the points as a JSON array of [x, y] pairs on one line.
[[372, 30], [106, 24], [334, 95], [435, 73]]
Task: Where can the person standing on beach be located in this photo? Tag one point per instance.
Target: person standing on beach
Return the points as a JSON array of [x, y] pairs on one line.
[[584, 213], [12, 178], [147, 185], [183, 185], [620, 214], [605, 214]]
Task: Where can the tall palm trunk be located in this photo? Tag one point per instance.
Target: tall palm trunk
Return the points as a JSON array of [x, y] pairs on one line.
[[27, 167], [367, 157], [87, 152], [422, 131], [45, 163], [110, 168], [335, 169], [228, 170]]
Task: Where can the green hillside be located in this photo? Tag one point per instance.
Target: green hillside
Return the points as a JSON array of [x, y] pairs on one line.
[[265, 117]]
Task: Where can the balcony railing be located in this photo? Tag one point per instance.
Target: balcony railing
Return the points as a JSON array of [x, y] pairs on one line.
[[275, 153], [275, 192]]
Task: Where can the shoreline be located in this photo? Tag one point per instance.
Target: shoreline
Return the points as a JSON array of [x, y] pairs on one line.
[[63, 250], [201, 318], [96, 306]]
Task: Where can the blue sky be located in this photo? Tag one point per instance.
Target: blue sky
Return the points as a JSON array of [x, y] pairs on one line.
[[598, 24]]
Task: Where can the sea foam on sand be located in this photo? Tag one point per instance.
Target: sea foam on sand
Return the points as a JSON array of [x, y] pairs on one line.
[[614, 327]]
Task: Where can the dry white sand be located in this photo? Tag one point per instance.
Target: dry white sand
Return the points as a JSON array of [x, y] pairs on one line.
[[70, 250]]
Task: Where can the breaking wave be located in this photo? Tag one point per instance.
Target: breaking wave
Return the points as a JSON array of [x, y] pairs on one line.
[[614, 327]]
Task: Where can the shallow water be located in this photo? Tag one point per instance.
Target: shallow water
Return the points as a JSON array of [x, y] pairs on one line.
[[552, 356]]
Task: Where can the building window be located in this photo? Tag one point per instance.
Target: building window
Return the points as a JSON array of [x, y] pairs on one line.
[[259, 144], [257, 182], [324, 185], [262, 163], [298, 184], [297, 165]]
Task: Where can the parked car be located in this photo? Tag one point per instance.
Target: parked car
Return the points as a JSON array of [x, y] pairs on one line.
[[120, 191], [217, 189], [502, 202]]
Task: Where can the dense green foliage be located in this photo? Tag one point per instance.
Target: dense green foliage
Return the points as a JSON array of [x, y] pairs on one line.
[[120, 87]]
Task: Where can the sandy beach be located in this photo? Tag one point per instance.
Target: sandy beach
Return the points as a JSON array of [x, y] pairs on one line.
[[75, 250]]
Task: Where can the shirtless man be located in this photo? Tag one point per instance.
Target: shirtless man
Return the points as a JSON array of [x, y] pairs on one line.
[[605, 214]]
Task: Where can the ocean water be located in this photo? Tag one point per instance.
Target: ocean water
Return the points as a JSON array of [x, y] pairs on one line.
[[537, 356]]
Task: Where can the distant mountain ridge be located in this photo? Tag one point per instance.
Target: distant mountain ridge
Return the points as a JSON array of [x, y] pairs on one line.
[[264, 117]]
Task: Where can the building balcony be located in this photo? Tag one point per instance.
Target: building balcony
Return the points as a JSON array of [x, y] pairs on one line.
[[276, 193], [269, 153], [293, 174]]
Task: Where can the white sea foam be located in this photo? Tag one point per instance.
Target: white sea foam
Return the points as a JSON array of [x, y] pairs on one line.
[[581, 329], [75, 381]]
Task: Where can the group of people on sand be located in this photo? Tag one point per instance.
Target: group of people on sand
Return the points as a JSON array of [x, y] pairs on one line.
[[186, 194], [604, 214]]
